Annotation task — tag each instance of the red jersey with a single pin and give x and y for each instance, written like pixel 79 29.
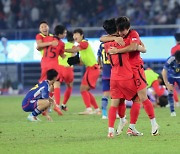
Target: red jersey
pixel 134 57
pixel 175 48
pixel 121 68
pixel 51 53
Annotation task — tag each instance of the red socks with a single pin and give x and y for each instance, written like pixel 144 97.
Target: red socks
pixel 86 98
pixel 57 95
pixel 112 116
pixel 149 108
pixel 121 109
pixel 93 101
pixel 134 112
pixel 67 94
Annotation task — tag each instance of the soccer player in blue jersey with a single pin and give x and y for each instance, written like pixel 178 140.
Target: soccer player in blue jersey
pixel 106 73
pixel 37 99
pixel 171 74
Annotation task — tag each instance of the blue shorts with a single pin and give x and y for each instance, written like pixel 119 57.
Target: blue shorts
pixel 29 105
pixel 106 85
pixel 173 80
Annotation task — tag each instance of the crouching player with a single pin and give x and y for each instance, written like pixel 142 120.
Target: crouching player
pixel 37 99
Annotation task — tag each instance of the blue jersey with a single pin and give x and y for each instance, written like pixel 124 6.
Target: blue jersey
pixel 172 67
pixel 106 70
pixel 39 91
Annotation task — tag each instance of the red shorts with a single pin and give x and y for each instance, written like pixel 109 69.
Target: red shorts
pixel 139 77
pixel 123 89
pixel 44 70
pixel 67 74
pixel 91 76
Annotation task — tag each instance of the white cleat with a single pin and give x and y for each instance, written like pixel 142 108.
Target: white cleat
pixel 173 114
pixel 86 112
pixel 155 130
pixel 32 118
pixel 121 126
pixel 104 117
pixel 133 132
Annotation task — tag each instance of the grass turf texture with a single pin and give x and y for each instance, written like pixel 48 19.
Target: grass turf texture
pixel 81 134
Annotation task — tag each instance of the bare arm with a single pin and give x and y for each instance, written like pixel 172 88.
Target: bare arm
pixel 73 50
pixel 168 85
pixel 41 44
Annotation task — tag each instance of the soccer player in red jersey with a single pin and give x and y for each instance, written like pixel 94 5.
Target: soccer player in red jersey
pixel 118 85
pixel 177 46
pixel 50 61
pixel 67 71
pixel 44 34
pixel 132 37
pixel 92 71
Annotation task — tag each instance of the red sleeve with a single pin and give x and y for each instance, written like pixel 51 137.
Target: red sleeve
pixel 61 47
pixel 83 45
pixel 134 37
pixel 158 90
pixel 39 37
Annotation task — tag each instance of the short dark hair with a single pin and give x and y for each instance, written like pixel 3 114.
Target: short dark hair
pixel 122 23
pixel 110 26
pixel 177 37
pixel 59 29
pixel 177 55
pixel 51 74
pixel 79 30
pixel 43 22
pixel 163 101
pixel 69 36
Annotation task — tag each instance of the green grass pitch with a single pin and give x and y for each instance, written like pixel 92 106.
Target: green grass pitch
pixel 78 134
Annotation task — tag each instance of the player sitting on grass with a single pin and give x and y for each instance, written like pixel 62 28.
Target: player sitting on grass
pixel 37 99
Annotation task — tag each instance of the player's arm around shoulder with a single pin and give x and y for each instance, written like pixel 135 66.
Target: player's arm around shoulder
pixel 109 38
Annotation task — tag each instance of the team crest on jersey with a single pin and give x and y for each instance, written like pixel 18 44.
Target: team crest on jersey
pixel 177 70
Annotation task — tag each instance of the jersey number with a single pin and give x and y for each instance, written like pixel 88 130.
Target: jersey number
pixel 50 52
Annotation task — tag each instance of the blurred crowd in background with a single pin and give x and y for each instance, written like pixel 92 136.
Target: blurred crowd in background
pixel 23 14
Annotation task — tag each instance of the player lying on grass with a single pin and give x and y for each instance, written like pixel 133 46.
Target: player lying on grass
pixel 37 99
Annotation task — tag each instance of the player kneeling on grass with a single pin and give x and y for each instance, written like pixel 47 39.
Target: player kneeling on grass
pixel 37 99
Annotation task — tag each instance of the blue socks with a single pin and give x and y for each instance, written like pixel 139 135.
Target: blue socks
pixel 171 101
pixel 104 103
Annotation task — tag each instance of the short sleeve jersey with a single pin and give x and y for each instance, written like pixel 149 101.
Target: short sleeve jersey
pixel 121 68
pixel 39 91
pixel 44 38
pixel 51 53
pixel 134 57
pixel 172 67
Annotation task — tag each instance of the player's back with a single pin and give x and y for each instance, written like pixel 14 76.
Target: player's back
pixel 39 91
pixel 51 53
pixel 121 68
pixel 135 58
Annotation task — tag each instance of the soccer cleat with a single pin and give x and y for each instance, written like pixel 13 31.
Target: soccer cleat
pixel 173 114
pixel 155 130
pixel 57 109
pixel 121 126
pixel 133 132
pixel 64 107
pixel 86 112
pixel 97 111
pixel 110 135
pixel 104 117
pixel 32 118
